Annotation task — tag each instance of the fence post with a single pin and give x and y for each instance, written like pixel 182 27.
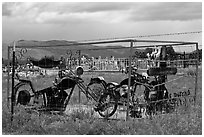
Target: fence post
pixel 196 79
pixel 184 60
pixel 129 79
pixel 13 74
pixel 8 78
pixel 79 58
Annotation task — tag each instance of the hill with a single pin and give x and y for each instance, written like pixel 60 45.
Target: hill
pixel 61 50
pixel 62 47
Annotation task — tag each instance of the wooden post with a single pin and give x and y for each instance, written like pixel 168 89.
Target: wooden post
pixel 196 78
pixel 129 80
pixel 184 59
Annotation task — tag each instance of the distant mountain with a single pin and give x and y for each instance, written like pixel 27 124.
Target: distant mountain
pixel 61 50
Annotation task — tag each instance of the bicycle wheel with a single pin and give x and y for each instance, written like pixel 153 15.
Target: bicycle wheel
pixel 108 104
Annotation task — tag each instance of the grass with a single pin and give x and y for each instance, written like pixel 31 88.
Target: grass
pixel 82 122
pixel 79 123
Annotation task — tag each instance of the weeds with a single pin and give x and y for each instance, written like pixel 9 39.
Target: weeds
pixel 82 122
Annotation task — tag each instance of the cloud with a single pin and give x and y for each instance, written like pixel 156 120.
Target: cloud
pixel 67 7
pixel 6 9
pixel 57 18
pixel 167 11
pixel 111 12
pixel 100 7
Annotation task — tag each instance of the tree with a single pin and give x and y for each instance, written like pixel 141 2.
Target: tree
pixel 171 54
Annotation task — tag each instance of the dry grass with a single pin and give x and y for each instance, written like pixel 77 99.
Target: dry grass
pixel 83 122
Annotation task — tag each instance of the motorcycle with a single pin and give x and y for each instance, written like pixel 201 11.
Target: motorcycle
pixel 153 93
pixel 55 97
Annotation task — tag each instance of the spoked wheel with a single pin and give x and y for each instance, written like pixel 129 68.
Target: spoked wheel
pixel 107 105
pixel 139 96
pixel 96 90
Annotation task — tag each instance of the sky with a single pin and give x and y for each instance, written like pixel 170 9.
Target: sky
pixel 100 20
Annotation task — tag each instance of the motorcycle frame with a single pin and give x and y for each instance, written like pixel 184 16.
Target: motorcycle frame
pixel 81 86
